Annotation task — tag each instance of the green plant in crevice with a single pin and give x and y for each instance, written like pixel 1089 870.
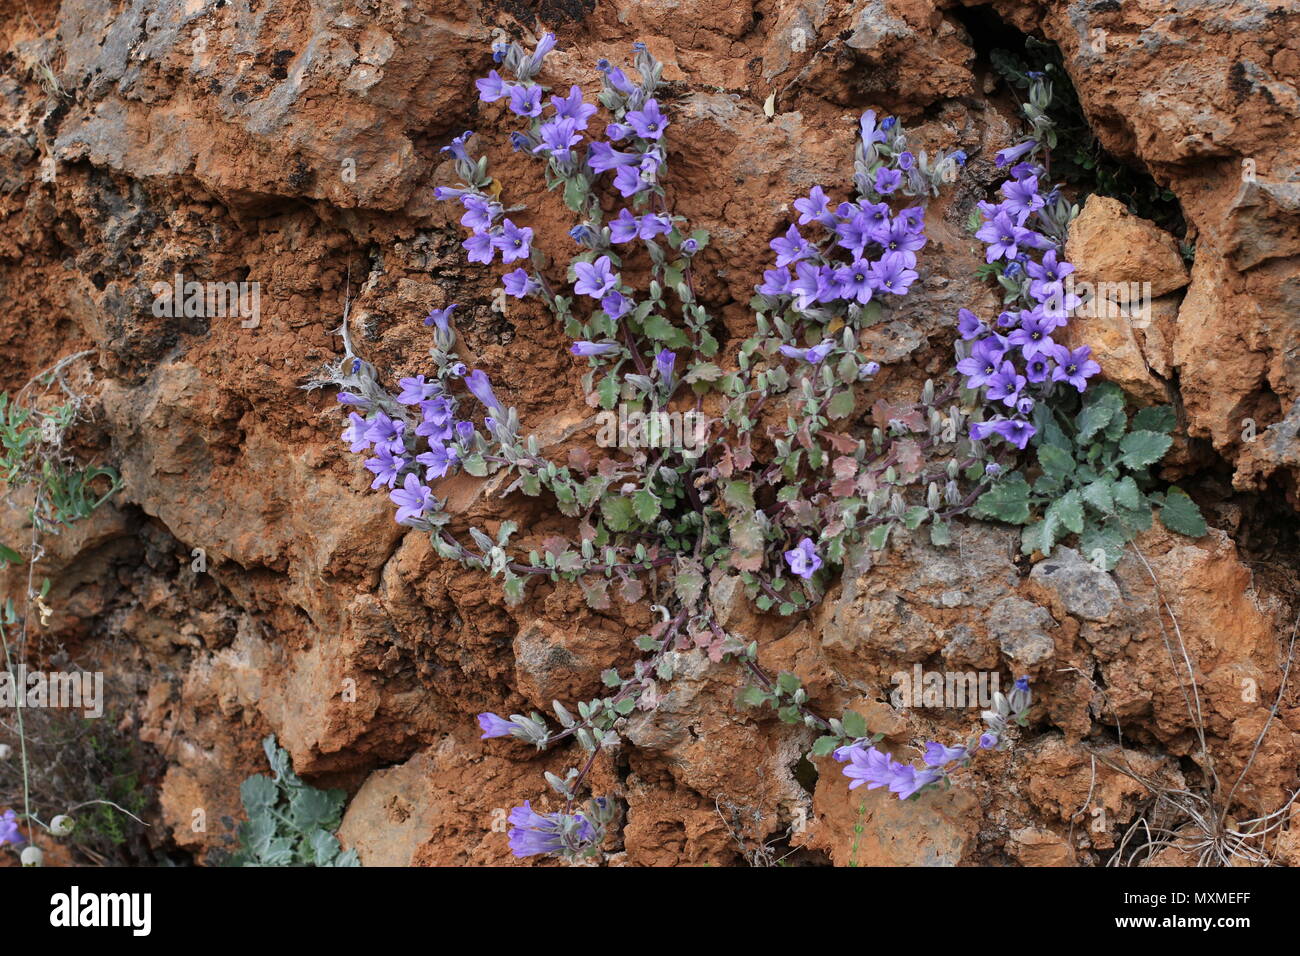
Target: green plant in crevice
pixel 1078 156
pixel 788 475
pixel 33 459
pixel 33 456
pixel 1093 479
pixel 290 823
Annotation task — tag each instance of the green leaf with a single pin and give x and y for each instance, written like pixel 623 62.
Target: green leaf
pixel 1049 432
pixel 309 807
pixel 608 391
pixel 1180 514
pixel 475 465
pixel 855 725
pixel 1007 501
pixel 915 516
pixel 9 556
pixel 617 512
pixel 1157 418
pixel 752 696
pixel 1127 494
pixel 324 847
pixel 1068 510
pixel 258 793
pixel 513 588
pixel 703 372
pixel 841 405
pixel 1104 542
pixel 657 327
pixel 878 537
pixel 1137 519
pixel 1092 420
pixel 739 494
pixel 787 682
pixel 1097 494
pixel 1055 461
pixel 688 586
pixel 1102 405
pixel 825 746
pixel 940 533
pixel 646 505
pixel 278 852
pixel 575 191
pixel 1141 449
pixel 1039 536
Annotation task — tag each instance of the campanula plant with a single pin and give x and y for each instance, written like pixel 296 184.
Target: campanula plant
pixel 795 468
pixel 1036 392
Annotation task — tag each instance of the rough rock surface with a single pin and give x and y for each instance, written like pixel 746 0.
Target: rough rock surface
pixel 297 145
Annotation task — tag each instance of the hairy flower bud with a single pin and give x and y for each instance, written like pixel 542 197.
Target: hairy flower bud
pixel 1020 697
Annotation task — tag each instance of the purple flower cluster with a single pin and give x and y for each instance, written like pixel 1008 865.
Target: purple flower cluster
pixel 416 437
pixel 557 134
pixel 876 768
pixel 880 251
pixel 866 764
pixel 1019 361
pixel 487 236
pixel 641 124
pixel 867 249
pixel 534 833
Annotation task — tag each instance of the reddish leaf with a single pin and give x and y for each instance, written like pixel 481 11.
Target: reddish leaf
pixel 908 454
pixel 884 412
pixel 841 443
pixel 596 591
pixel 631 590
pixel 725 465
pixel 579 460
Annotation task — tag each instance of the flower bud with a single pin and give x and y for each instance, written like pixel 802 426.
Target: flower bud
pixel 32 856
pixel 1021 696
pixel 952 493
pixel 62 825
pixel 996 722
